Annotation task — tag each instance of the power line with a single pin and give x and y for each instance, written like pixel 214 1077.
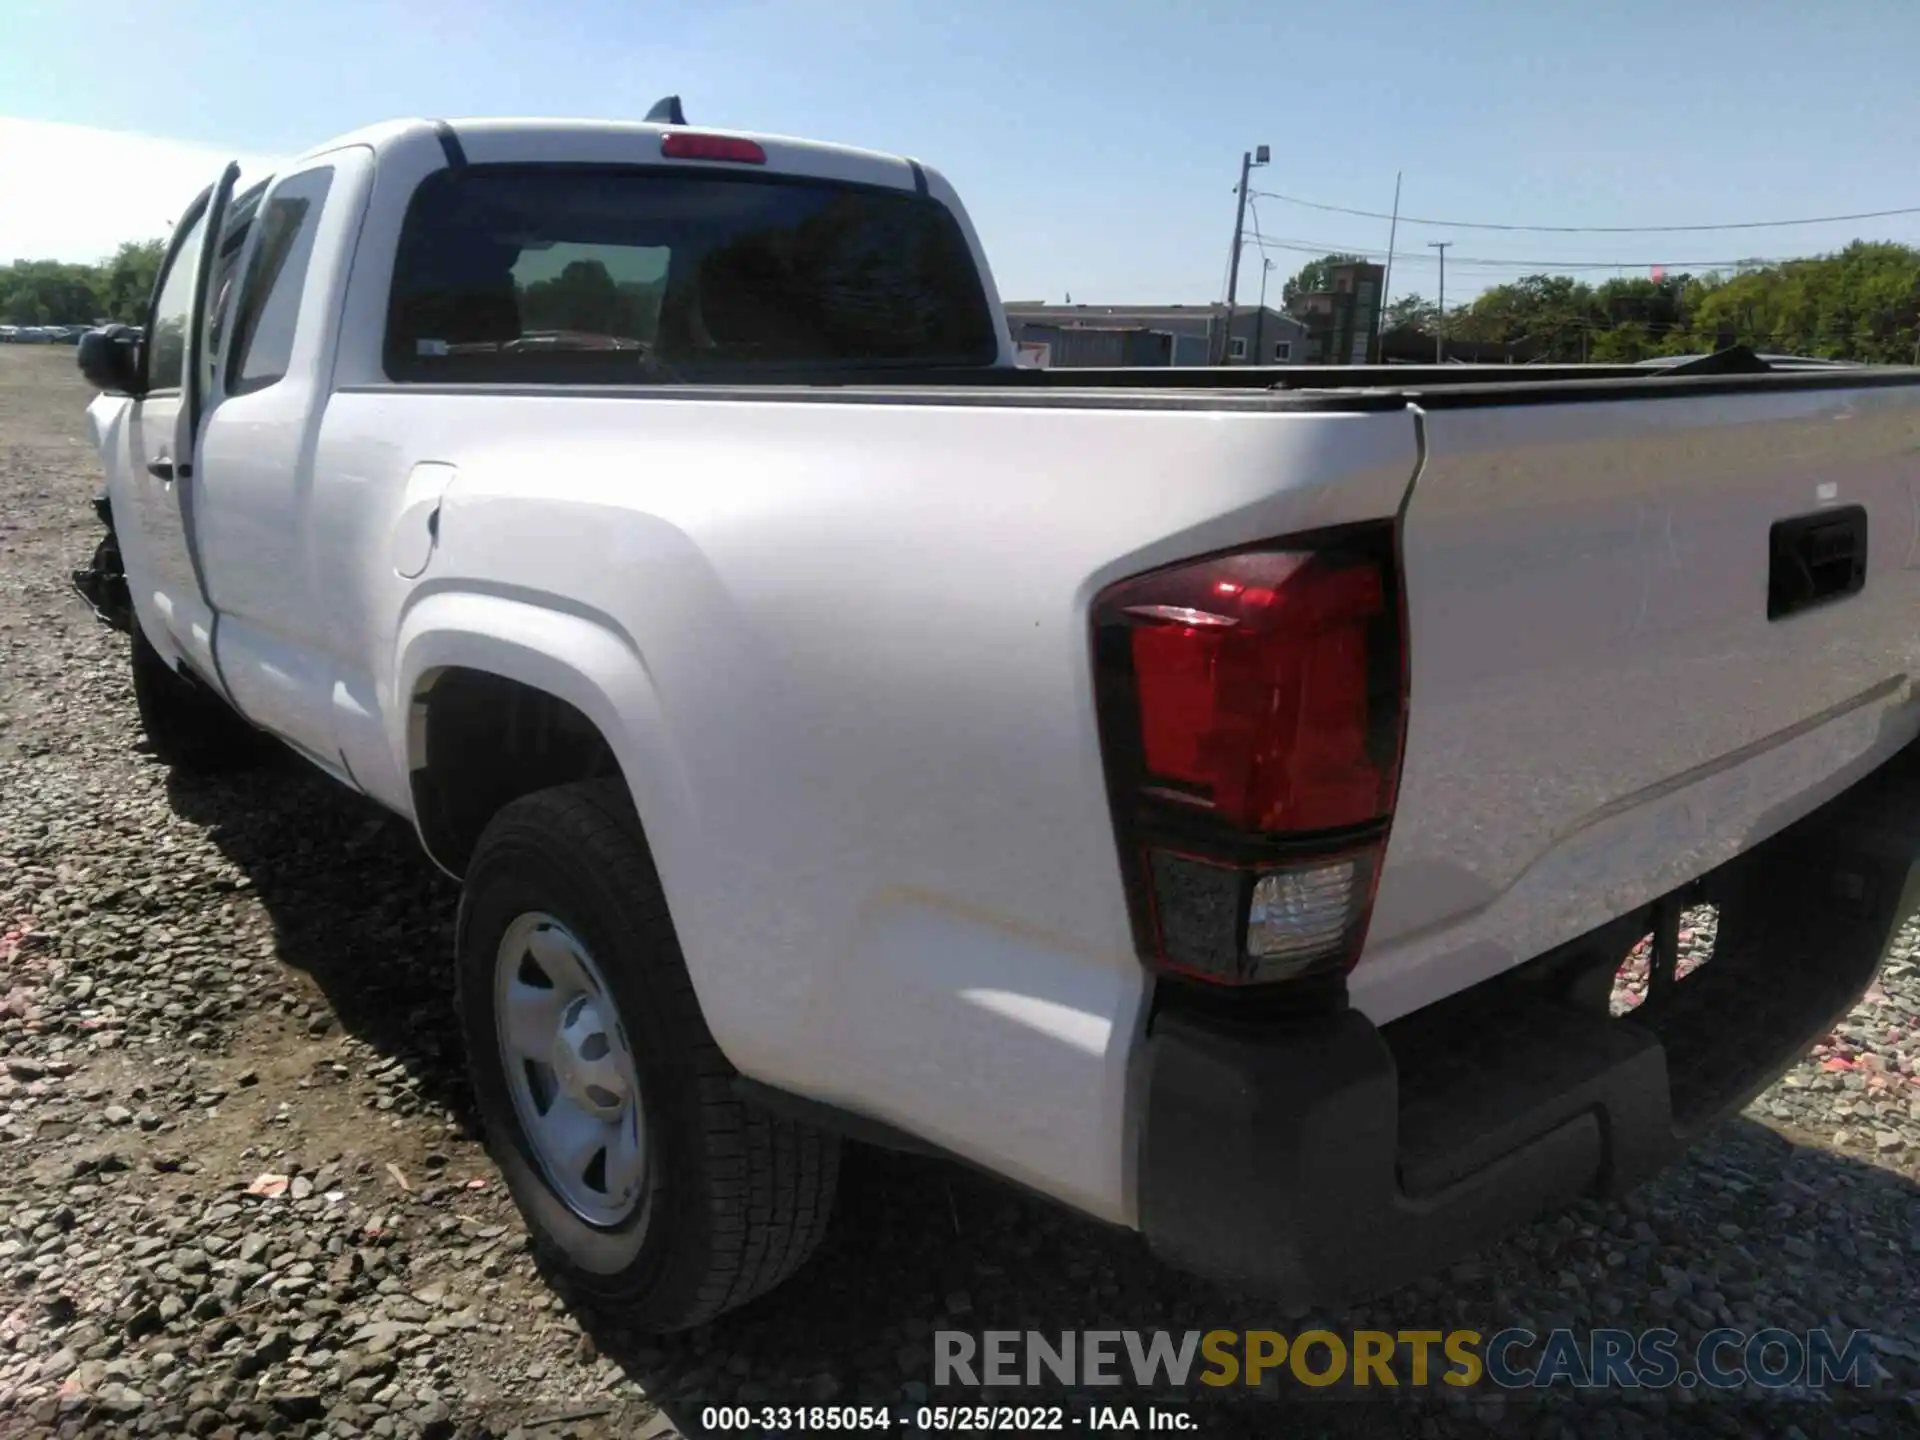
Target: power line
pixel 1319 247
pixel 1313 247
pixel 1590 229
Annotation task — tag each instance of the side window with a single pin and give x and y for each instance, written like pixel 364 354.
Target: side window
pixel 167 328
pixel 276 275
pixel 226 263
pixel 1237 348
pixel 1282 351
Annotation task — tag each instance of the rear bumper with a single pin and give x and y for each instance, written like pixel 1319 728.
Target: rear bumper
pixel 1328 1160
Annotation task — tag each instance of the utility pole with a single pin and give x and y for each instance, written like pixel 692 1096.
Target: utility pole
pixel 1260 319
pixel 1440 320
pixel 1248 159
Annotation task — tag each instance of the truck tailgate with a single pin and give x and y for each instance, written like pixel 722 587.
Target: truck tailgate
pixel 1600 705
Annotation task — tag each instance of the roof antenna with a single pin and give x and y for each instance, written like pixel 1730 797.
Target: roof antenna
pixel 667 112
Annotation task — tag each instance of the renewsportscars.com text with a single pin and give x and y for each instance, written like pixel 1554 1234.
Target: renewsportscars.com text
pixel 1512 1358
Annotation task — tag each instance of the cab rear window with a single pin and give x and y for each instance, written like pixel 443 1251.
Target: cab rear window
pixel 550 273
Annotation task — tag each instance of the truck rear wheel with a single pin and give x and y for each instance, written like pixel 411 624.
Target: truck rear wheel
pixel 188 726
pixel 646 1181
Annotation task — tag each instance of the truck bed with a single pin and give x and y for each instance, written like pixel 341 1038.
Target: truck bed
pixel 1600 705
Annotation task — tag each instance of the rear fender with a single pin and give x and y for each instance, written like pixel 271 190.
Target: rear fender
pixel 576 656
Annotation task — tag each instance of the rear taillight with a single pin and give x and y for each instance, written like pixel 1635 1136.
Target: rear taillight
pixel 1251 710
pixel 688 145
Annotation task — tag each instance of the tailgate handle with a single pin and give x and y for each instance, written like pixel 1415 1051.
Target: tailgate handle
pixel 1816 558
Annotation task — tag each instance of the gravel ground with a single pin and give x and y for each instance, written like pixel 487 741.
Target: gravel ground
pixel 240 1193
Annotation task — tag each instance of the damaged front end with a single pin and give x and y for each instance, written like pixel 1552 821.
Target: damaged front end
pixel 103 582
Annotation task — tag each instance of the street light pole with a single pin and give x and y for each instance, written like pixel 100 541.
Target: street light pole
pixel 1440 320
pixel 1248 159
pixel 1386 277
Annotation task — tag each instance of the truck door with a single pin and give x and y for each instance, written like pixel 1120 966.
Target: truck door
pixel 163 422
pixel 255 476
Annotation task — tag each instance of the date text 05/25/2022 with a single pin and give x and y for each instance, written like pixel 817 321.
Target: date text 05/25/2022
pixel 936 1419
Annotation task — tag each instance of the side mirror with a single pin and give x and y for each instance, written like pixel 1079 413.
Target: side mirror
pixel 110 358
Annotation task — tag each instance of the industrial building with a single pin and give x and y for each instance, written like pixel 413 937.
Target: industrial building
pixel 1109 335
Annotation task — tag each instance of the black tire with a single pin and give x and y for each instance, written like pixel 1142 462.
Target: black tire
pixel 735 1199
pixel 188 726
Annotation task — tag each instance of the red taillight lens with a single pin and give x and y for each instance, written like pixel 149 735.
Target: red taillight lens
pixel 1253 679
pixel 1251 713
pixel 680 145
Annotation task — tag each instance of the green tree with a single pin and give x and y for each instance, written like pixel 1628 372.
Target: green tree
pixel 1860 304
pixel 1551 316
pixel 1410 314
pixel 49 292
pixel 58 292
pixel 126 280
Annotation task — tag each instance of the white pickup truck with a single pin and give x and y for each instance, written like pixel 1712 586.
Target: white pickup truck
pixel 1218 800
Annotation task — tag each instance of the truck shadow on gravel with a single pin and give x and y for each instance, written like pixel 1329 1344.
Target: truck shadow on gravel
pixel 1751 1231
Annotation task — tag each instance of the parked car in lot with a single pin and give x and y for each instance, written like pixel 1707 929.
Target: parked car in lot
pixel 41 334
pixel 1218 800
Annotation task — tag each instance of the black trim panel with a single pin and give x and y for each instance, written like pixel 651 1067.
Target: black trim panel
pixel 1440 387
pixel 1152 389
pixel 901 394
pixel 1575 389
pixel 919 177
pixel 450 145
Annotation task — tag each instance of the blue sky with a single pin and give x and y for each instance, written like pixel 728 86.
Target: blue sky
pixel 1096 144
